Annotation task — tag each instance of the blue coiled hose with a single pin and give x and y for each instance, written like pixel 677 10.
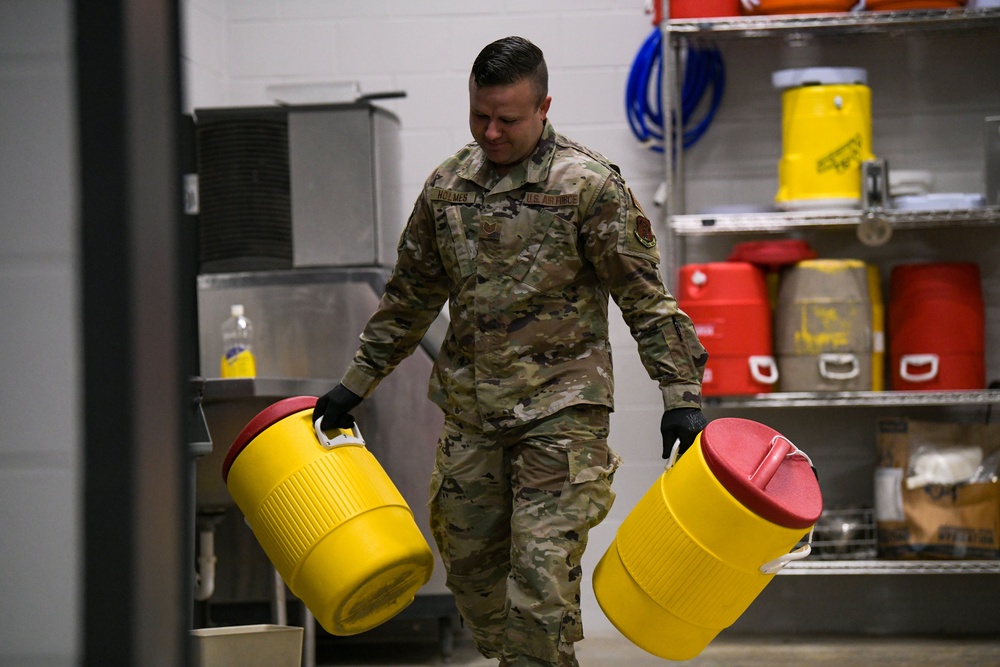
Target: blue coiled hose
pixel 703 70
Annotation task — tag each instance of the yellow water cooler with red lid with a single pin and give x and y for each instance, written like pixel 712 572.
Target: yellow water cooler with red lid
pixel 707 538
pixel 328 517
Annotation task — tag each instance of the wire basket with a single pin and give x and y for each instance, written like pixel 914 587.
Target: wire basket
pixel 845 534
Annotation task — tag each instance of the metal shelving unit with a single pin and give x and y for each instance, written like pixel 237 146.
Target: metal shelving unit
pixel 838 23
pixel 795 28
pixel 678 32
pixel 768 223
pixel 892 567
pixel 873 399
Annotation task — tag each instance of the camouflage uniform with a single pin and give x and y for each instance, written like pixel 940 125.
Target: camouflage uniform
pixel 510 512
pixel 526 263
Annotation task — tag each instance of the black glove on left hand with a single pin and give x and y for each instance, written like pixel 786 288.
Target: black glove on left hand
pixel 683 424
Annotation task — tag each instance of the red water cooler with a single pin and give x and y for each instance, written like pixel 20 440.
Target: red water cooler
pixel 727 301
pixel 937 327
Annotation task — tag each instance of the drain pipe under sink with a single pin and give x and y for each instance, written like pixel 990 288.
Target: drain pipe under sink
pixel 204 576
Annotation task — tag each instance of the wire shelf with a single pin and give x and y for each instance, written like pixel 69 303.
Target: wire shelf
pixel 845 534
pixel 838 23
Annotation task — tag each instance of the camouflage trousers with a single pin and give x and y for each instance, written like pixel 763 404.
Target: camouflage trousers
pixel 510 512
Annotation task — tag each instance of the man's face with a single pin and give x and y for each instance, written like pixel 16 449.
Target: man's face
pixel 506 121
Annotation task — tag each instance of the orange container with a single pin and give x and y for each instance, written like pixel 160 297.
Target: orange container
pixel 800 6
pixel 937 327
pixel 728 303
pixel 696 9
pixel 891 5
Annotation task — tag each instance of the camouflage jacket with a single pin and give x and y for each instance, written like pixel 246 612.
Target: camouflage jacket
pixel 526 263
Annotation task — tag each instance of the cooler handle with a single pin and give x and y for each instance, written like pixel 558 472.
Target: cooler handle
pixel 918 360
pixel 779 563
pixel 775 456
pixel 345 437
pixel 766 470
pixel 771 462
pixel 673 455
pixel 758 364
pixel 830 359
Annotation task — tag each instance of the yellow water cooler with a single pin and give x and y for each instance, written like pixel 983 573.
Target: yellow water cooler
pixel 328 517
pixel 707 538
pixel 826 133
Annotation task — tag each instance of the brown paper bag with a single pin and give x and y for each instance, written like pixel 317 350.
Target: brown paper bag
pixel 923 519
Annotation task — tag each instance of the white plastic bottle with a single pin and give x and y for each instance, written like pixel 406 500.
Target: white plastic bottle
pixel 237 346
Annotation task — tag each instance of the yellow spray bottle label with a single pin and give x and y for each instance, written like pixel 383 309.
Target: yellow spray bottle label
pixel 238 362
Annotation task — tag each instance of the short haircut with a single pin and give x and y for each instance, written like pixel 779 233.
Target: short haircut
pixel 509 60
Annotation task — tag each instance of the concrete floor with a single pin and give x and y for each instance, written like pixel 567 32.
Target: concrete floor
pixel 614 650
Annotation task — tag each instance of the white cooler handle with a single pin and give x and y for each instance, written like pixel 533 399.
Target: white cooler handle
pixel 338 440
pixel 830 359
pixel 672 459
pixel 918 360
pixel 760 363
pixel 772 567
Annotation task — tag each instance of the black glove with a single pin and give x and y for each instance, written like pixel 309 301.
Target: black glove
pixel 682 423
pixel 333 407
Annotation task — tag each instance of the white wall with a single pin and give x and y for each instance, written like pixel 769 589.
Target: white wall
pixel 235 51
pixel 39 365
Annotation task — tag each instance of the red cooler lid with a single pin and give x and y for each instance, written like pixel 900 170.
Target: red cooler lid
pixel 761 469
pixel 772 254
pixel 265 418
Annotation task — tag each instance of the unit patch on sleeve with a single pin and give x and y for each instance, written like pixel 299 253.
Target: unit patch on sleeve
pixel 644 231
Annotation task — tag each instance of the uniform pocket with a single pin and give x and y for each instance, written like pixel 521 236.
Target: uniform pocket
pixel 437 479
pixel 592 461
pixel 684 347
pixel 548 257
pixel 592 468
pixel 571 628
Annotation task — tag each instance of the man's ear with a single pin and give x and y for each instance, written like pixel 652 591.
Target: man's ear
pixel 544 106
